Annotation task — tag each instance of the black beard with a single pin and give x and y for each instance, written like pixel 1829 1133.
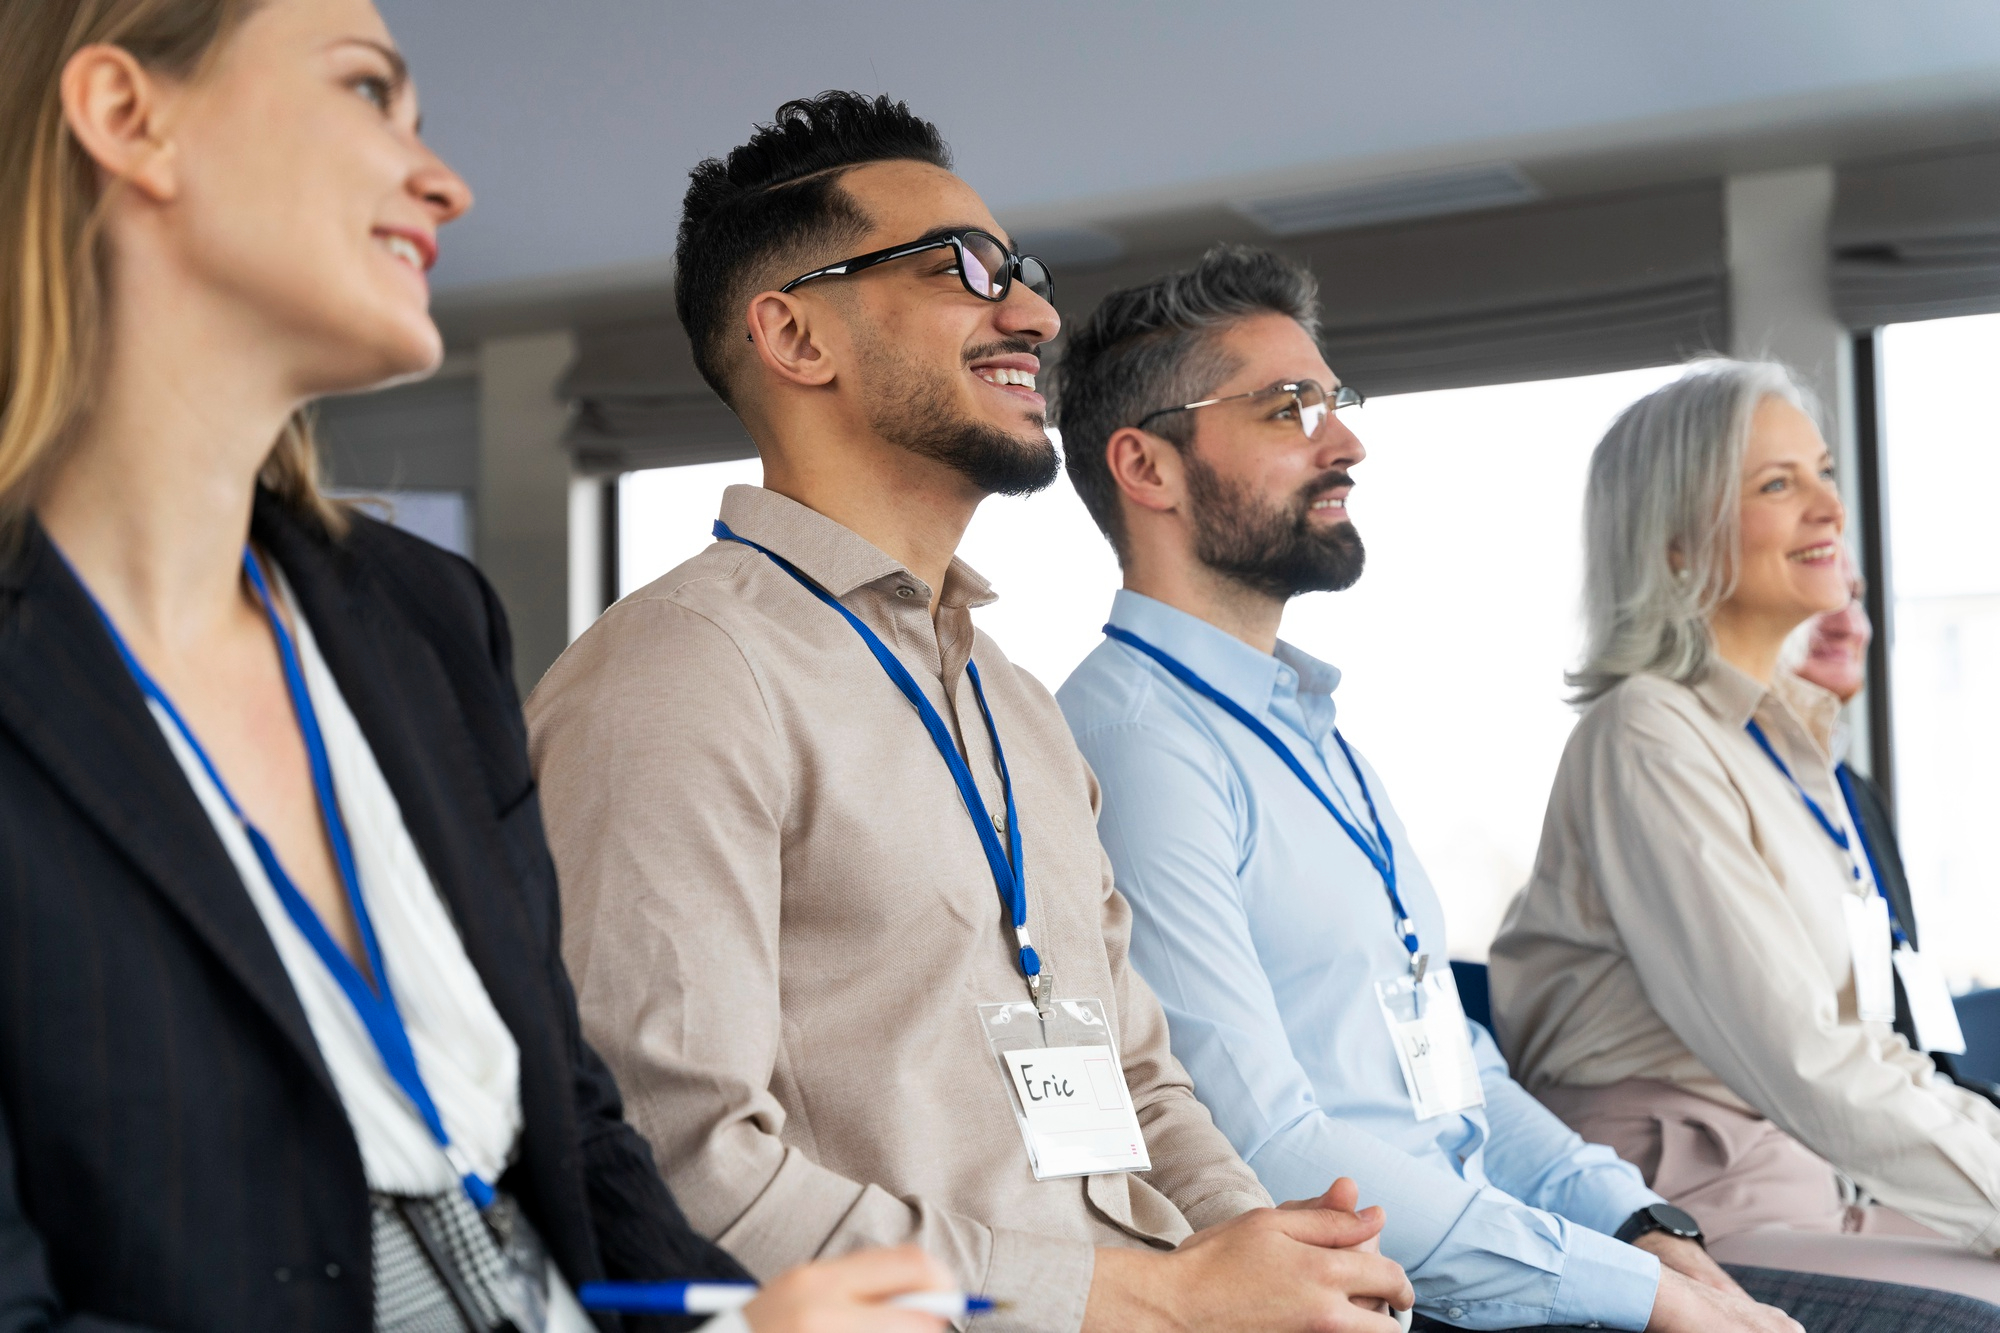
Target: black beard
pixel 907 414
pixel 1274 551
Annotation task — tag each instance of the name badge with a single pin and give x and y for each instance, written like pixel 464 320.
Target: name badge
pixel 1433 1044
pixel 1868 942
pixel 1067 1088
pixel 1931 1009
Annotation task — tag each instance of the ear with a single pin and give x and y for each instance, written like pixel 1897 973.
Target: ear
pixel 782 328
pixel 1149 470
pixel 115 108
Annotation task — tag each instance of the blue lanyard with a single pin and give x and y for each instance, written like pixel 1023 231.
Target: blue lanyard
pixel 1868 850
pixel 1005 863
pixel 375 1003
pixel 1826 824
pixel 1381 852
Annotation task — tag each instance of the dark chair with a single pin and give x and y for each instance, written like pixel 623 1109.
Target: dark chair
pixel 1979 1015
pixel 1478 1002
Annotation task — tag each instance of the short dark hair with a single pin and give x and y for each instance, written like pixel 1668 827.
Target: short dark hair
pixel 778 197
pixel 1154 346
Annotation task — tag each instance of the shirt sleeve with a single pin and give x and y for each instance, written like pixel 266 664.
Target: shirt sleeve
pixel 1541 1161
pixel 664 805
pixel 1476 1256
pixel 1724 957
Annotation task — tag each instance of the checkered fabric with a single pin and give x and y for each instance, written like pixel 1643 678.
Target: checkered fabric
pixel 496 1255
pixel 1845 1305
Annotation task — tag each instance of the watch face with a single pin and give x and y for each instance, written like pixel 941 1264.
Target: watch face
pixel 1675 1222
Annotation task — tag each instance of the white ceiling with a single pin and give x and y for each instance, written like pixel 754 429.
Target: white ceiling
pixel 577 120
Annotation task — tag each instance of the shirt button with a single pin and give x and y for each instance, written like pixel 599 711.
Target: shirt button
pixel 333 1270
pixel 283 1275
pixel 905 591
pixel 1455 1312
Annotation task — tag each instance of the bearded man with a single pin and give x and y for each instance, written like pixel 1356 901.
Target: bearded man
pixel 1280 913
pixel 834 903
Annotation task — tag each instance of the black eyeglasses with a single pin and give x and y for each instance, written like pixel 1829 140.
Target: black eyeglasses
pixel 985 266
pixel 1310 403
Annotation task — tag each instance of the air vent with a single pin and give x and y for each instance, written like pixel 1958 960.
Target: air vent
pixel 1391 199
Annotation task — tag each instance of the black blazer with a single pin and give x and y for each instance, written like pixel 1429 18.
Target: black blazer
pixel 172 1151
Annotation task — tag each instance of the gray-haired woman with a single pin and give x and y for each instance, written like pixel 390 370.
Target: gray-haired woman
pixel 1699 970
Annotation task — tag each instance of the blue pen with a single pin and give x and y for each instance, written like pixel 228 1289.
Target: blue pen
pixel 718 1297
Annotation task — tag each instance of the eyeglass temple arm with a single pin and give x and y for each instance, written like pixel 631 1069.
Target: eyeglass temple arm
pixel 859 262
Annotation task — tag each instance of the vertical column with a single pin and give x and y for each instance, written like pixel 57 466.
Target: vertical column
pixel 523 511
pixel 1781 309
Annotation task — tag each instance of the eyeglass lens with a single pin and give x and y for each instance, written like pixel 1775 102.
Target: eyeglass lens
pixel 986 267
pixel 983 264
pixel 1312 407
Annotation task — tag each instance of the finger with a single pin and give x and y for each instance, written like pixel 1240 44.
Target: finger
pixel 1362 1277
pixel 1343 1196
pixel 1325 1228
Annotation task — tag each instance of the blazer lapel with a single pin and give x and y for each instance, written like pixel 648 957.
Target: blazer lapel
pixel 70 702
pixel 399 693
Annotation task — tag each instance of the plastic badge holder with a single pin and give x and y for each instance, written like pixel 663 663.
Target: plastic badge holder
pixel 1067 1088
pixel 1433 1045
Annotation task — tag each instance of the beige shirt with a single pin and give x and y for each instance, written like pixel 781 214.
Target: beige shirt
pixel 780 922
pixel 1684 923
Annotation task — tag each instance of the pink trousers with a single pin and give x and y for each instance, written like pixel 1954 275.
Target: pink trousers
pixel 1762 1198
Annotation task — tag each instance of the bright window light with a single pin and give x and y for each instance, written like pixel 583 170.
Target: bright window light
pixel 1941 448
pixel 1452 646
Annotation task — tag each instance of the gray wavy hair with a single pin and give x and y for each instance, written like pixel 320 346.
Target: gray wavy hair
pixel 1666 480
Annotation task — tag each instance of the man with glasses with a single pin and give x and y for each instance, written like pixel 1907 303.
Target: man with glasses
pixel 1280 914
pixel 834 903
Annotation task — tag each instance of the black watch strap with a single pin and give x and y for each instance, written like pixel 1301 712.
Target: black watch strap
pixel 1660 1217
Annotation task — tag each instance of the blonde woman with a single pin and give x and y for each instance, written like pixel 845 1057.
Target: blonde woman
pixel 1698 973
pixel 285 1038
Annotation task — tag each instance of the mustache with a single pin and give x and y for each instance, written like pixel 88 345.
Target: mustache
pixel 1004 347
pixel 1329 482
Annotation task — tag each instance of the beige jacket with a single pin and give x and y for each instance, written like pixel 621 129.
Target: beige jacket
pixel 780 922
pixel 1683 923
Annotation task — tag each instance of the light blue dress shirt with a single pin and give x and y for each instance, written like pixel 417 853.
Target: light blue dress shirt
pixel 1263 928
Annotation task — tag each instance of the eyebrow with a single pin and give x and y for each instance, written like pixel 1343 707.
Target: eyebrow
pixel 399 68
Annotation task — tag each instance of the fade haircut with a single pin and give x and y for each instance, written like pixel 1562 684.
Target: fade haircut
pixel 1158 345
pixel 775 204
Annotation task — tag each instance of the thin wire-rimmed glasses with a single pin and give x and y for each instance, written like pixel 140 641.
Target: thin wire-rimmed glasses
pixel 1311 401
pixel 985 266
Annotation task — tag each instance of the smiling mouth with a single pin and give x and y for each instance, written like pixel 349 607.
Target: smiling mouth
pixel 1005 377
pixel 1330 504
pixel 406 249
pixel 1821 554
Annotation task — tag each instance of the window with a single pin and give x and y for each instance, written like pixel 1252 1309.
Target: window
pixel 1941 452
pixel 1452 646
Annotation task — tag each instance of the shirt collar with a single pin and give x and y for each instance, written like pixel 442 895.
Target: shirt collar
pixel 837 558
pixel 1734 696
pixel 1252 679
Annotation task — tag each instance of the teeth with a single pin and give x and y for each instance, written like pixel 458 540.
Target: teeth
pixel 997 375
pixel 1329 504
pixel 406 250
pixel 1812 553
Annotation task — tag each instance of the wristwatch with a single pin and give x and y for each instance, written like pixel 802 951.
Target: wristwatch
pixel 1661 1217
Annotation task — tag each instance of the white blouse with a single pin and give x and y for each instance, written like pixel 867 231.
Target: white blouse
pixel 468 1058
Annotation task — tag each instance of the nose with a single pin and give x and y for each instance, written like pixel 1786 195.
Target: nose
pixel 442 191
pixel 1337 445
pixel 1829 507
pixel 1025 314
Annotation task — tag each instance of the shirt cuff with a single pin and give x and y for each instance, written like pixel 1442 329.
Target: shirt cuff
pixel 1043 1280
pixel 1605 1283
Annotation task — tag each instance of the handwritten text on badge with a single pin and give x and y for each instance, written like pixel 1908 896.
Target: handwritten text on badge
pixel 1079 1116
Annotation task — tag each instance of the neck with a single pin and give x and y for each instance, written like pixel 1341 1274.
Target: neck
pixel 1750 643
pixel 1241 612
pixel 914 509
pixel 151 500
